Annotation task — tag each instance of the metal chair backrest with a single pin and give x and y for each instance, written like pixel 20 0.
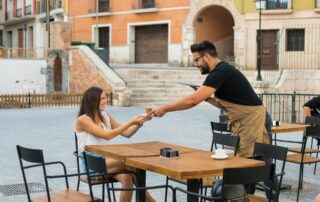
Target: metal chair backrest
pixel 219 128
pixel 271 152
pixel 251 175
pixel 312 120
pixel 227 140
pixel 96 167
pixel 34 156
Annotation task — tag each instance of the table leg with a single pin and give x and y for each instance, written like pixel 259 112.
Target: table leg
pixel 141 182
pixel 193 185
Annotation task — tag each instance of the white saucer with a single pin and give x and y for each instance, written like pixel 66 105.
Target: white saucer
pixel 214 156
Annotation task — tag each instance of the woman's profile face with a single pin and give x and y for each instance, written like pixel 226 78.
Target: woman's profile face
pixel 103 101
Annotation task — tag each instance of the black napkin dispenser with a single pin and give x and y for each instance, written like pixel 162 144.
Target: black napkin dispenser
pixel 169 153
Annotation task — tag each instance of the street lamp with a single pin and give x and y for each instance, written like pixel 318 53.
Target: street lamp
pixel 260 5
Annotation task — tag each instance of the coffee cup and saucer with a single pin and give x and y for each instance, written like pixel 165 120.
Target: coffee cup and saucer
pixel 220 154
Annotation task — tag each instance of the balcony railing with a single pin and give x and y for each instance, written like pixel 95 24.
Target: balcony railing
pixel 144 4
pixel 29 10
pixel 53 4
pixel 277 4
pixel 19 12
pixel 9 15
pixel 104 6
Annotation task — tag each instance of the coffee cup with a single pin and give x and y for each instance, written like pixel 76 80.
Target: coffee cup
pixel 275 123
pixel 148 110
pixel 220 152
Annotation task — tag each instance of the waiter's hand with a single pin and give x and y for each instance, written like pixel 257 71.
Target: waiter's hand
pixel 159 112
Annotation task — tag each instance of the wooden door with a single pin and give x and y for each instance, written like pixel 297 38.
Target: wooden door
pixel 151 44
pixel 269 50
pixel 20 42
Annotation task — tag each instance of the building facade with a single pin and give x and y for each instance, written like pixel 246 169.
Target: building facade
pixel 161 31
pixel 24 28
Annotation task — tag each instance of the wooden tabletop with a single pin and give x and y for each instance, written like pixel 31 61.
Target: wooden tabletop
pixel 192 165
pixel 288 127
pixel 144 149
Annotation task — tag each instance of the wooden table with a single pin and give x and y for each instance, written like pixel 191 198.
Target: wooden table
pixel 189 166
pixel 192 165
pixel 143 149
pixel 287 128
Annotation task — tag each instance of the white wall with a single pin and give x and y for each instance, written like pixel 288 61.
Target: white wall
pixel 22 76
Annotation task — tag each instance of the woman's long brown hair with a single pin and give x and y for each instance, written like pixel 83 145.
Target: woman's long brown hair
pixel 90 104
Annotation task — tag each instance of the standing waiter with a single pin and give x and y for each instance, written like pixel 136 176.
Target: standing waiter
pixel 232 92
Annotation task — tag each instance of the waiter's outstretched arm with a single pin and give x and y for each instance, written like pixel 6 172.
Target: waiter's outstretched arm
pixel 187 102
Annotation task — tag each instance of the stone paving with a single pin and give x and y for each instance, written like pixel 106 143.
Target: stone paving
pixel 51 129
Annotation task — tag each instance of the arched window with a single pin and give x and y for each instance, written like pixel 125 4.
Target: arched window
pixel 57 77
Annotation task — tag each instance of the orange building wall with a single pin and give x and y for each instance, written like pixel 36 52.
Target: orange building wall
pixel 82 27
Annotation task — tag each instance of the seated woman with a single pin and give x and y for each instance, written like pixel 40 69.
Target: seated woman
pixel 96 127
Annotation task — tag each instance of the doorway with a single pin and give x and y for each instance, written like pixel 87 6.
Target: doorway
pixel 269 50
pixel 151 44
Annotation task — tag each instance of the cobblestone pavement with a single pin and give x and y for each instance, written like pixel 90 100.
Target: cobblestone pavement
pixel 51 129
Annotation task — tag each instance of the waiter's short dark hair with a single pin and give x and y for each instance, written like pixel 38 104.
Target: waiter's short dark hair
pixel 204 47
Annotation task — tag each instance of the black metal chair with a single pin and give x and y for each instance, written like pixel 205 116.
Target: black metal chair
pixel 36 159
pixel 223 118
pixel 313 120
pixel 82 176
pixel 98 166
pixel 302 158
pixel 219 128
pixel 217 139
pixel 272 154
pixel 238 176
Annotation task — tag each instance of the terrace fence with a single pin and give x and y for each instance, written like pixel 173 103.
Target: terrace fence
pixel 42 100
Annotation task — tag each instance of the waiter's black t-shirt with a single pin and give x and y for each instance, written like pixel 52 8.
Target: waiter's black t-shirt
pixel 231 85
pixel 314 105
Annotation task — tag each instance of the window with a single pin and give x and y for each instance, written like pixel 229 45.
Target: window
pixel 148 3
pixel 0 4
pixel 277 4
pixel 104 6
pixel 295 40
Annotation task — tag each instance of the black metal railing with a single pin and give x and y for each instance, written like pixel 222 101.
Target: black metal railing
pixel 103 6
pixel 277 4
pixel 19 12
pixel 29 10
pixel 286 107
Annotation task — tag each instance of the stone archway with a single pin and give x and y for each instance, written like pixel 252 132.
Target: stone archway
pixel 189 30
pixel 215 24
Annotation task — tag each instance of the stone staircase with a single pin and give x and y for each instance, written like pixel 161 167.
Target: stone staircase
pixel 158 86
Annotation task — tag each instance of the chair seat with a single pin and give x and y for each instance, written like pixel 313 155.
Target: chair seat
pixel 296 158
pixel 298 150
pixel 256 198
pixel 97 180
pixel 65 195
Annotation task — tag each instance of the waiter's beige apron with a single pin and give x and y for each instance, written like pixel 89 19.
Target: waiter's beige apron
pixel 248 122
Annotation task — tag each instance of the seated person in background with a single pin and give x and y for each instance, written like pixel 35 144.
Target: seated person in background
pixel 96 127
pixel 312 107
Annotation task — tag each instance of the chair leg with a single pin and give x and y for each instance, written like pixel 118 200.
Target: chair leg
pixel 166 190
pixel 78 184
pixel 113 193
pixel 315 165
